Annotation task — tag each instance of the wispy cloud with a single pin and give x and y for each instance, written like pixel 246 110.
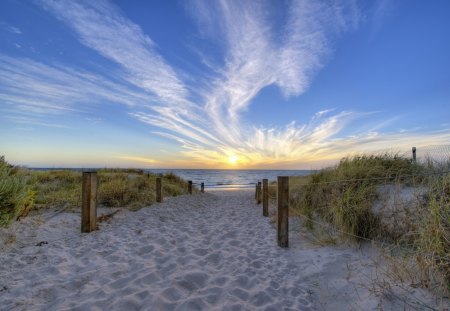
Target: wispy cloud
pixel 382 11
pixel 33 121
pixel 101 26
pixel 34 88
pixel 10 28
pixel 138 159
pixel 256 53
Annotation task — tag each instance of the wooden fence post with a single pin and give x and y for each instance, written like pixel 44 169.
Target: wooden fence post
pixel 265 197
pixel 259 193
pixel 159 193
pixel 190 186
pixel 202 187
pixel 283 211
pixel 89 202
pixel 414 154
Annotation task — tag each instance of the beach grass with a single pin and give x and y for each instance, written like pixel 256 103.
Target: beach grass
pixel 22 190
pixel 346 194
pixel 16 197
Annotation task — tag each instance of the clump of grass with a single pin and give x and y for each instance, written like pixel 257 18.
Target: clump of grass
pixel 344 194
pixel 175 185
pixel 121 189
pixel 129 188
pixel 56 188
pixel 16 198
pixel 433 241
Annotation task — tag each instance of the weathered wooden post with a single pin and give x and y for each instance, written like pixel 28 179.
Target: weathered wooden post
pixel 159 193
pixel 202 187
pixel 89 202
pixel 259 193
pixel 265 197
pixel 414 154
pixel 256 191
pixel 283 211
pixel 190 186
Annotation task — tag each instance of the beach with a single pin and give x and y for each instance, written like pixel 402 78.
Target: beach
pixel 211 251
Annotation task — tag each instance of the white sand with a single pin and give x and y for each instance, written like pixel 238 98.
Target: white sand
pixel 210 251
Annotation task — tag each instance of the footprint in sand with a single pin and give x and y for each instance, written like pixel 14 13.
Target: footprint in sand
pixel 192 281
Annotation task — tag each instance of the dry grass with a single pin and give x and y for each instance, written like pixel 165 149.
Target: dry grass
pixel 345 196
pixel 22 189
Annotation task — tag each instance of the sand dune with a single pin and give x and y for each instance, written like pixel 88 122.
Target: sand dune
pixel 210 251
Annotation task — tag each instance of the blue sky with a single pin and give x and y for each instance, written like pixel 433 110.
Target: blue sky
pixel 220 84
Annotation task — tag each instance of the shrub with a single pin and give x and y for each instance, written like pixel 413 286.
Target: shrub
pixel 16 199
pixel 130 188
pixel 56 188
pixel 344 195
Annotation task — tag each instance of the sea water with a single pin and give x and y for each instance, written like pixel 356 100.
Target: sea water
pixel 229 179
pixel 218 179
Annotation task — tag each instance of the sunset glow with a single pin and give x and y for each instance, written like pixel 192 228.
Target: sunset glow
pixel 220 84
pixel 233 160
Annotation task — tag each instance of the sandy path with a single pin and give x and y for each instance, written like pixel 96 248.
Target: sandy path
pixel 210 251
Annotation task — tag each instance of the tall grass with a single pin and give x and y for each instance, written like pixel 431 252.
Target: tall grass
pixel 345 196
pixel 433 239
pixel 129 188
pixel 16 198
pixel 56 188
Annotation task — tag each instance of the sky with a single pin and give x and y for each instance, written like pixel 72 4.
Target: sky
pixel 220 84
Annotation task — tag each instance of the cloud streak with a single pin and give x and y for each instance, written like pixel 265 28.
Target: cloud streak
pixel 101 26
pixel 205 118
pixel 37 89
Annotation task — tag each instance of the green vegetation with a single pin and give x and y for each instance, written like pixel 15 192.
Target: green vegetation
pixel 345 195
pixel 16 198
pixel 433 239
pixel 23 189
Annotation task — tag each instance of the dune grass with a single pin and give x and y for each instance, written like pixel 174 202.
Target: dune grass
pixel 16 197
pixel 22 189
pixel 433 238
pixel 344 196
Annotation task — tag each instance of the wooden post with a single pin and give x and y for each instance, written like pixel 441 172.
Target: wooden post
pixel 265 197
pixel 259 193
pixel 159 193
pixel 256 191
pixel 283 211
pixel 414 154
pixel 202 187
pixel 190 186
pixel 89 202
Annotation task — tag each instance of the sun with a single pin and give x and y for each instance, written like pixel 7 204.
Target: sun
pixel 233 159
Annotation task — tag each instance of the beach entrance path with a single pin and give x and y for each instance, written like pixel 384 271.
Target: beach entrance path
pixel 211 251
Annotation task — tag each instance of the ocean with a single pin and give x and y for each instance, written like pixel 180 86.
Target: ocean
pixel 229 179
pixel 219 179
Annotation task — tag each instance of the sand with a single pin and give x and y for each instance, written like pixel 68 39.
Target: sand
pixel 211 251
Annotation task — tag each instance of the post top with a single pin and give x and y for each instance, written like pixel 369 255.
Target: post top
pixel 89 170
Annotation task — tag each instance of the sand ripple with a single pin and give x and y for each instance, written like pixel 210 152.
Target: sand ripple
pixel 200 252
